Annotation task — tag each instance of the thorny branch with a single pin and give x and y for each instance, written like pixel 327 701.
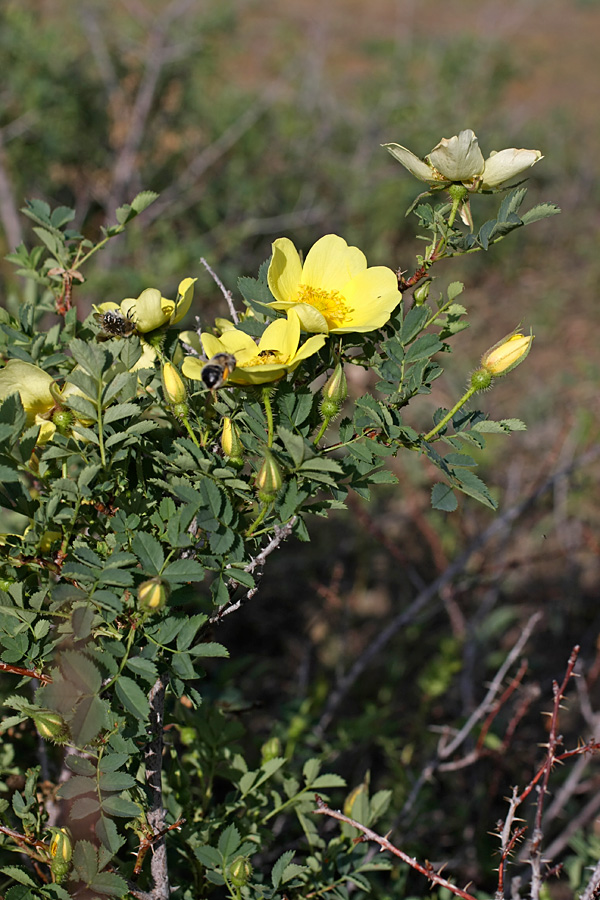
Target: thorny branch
pixel 425 869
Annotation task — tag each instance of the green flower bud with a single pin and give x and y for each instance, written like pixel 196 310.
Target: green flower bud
pixel 50 725
pixel 240 871
pixel 481 379
pixel 188 735
pixel 181 410
pixel 61 851
pixel 269 479
pixel 63 419
pixel 271 749
pixel 336 388
pixel 422 293
pixel 458 191
pixel 230 440
pixel 173 385
pixel 153 594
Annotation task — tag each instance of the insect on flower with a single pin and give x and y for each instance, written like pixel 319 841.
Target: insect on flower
pixel 115 324
pixel 217 370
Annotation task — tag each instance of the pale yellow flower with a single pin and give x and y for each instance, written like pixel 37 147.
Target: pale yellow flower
pixel 333 292
pixel 151 310
pixel 458 160
pixel 277 353
pixel 507 354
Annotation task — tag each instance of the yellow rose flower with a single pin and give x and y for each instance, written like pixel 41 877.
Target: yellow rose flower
pixel 31 383
pixel 151 310
pixel 333 292
pixel 277 352
pixel 506 354
pixel 458 160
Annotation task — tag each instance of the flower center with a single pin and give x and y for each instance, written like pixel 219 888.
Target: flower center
pixel 331 304
pixel 265 358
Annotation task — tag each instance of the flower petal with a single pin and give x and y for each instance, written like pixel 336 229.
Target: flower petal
pixel 307 349
pixel 311 319
pixel 192 339
pixel 185 292
pixel 458 158
pixel 503 166
pixel 415 166
pixel 285 270
pixel 192 367
pixel 236 342
pixel 148 312
pixel 330 263
pixel 281 335
pixel 372 296
pixel 31 383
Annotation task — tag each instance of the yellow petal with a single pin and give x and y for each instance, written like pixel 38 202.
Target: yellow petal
pixel 458 158
pixel 31 383
pixel 421 170
pixel 192 339
pixel 148 313
pixel 192 368
pixel 47 430
pixel 372 296
pixel 285 270
pixel 281 335
pixel 330 263
pixel 309 347
pixel 236 342
pixel 185 292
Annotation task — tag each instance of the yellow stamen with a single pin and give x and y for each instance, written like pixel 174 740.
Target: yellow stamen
pixel 331 304
pixel 266 358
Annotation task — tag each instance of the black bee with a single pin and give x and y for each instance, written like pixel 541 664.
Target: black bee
pixel 115 324
pixel 217 370
pixel 264 354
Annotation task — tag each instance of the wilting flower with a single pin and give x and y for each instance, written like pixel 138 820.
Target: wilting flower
pixel 334 291
pixel 277 352
pixel 151 310
pixel 458 160
pixel 507 354
pixel 33 386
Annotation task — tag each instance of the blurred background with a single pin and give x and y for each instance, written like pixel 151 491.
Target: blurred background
pixel 255 120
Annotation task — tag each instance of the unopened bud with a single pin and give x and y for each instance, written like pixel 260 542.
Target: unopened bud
pixel 61 851
pixel 481 380
pixel 422 293
pixel 63 419
pixel 271 749
pixel 153 594
pixel 50 725
pixel 240 871
pixel 506 354
pixel 173 385
pixel 334 392
pixel 269 479
pixel 230 440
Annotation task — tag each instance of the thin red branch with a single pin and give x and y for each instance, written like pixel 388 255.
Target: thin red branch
pixel 26 673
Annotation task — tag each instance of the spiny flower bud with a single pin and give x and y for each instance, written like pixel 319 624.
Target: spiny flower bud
pixel 50 725
pixel 230 440
pixel 173 385
pixel 61 851
pixel 271 749
pixel 153 594
pixel 63 419
pixel 334 392
pixel 240 871
pixel 506 354
pixel 481 379
pixel 269 479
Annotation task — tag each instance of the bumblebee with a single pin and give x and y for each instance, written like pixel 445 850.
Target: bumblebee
pixel 217 370
pixel 267 354
pixel 115 324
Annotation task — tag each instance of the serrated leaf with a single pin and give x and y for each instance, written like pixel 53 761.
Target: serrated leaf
pixel 208 856
pixel 189 630
pixel 120 806
pixel 76 786
pixel 149 551
pixel 80 672
pixel 106 832
pixel 19 892
pixel 116 781
pixel 89 719
pixel 423 348
pixel 110 884
pixel 132 697
pixel 18 874
pixel 110 762
pixel 229 841
pixel 183 570
pixel 85 860
pixel 80 765
pixel 470 484
pixel 443 497
pixel 210 649
pixel 311 769
pixel 280 867
pixel 144 668
pixel 328 780
pixel 120 411
pixel 541 211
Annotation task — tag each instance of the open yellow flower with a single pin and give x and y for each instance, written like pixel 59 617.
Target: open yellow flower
pixel 458 160
pixel 277 352
pixel 334 291
pixel 151 310
pixel 32 384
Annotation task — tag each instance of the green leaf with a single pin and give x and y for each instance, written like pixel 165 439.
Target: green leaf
pixel 328 780
pixel 311 769
pixel 109 883
pixel 106 831
pixel 132 697
pixel 116 781
pixel 423 348
pixel 474 487
pixel 443 497
pixel 229 841
pixel 76 786
pixel 210 649
pixel 280 867
pixel 110 762
pixel 120 806
pixel 18 874
pixel 120 411
pixel 413 323
pixel 89 719
pixel 183 570
pixel 85 806
pixel 85 861
pixel 149 551
pixel 143 200
pixel 454 290
pixel 144 668
pixel 541 211
pixel 80 765
pixel 19 892
pixel 80 671
pixel 189 631
pixel 91 357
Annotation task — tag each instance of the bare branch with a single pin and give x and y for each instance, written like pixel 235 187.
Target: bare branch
pixel 227 294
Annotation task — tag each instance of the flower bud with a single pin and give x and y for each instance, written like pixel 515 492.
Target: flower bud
pixel 240 871
pixel 271 749
pixel 481 379
pixel 153 594
pixel 63 419
pixel 422 293
pixel 50 725
pixel 61 851
pixel 173 385
pixel 269 479
pixel 507 354
pixel 230 440
pixel 334 392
